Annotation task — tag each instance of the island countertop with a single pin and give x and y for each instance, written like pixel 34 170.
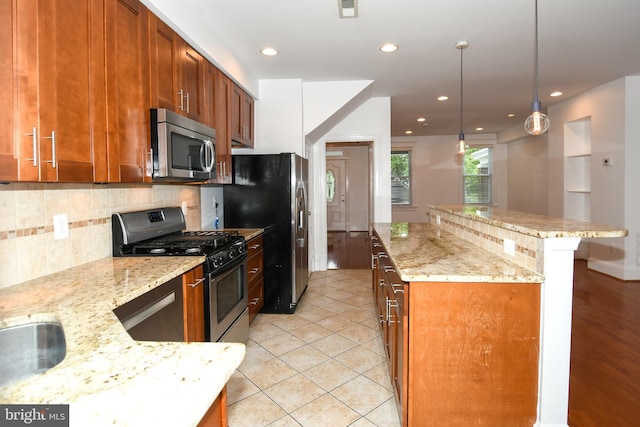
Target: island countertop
pixel 107 378
pixel 535 225
pixel 423 252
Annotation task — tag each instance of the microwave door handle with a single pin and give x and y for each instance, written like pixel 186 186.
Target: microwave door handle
pixel 208 164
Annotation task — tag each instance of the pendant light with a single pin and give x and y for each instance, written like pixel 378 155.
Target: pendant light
pixel 461 45
pixel 537 123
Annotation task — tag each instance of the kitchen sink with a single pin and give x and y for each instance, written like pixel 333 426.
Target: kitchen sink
pixel 30 349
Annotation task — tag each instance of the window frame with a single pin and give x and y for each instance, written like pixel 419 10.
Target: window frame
pixel 488 175
pixel 409 178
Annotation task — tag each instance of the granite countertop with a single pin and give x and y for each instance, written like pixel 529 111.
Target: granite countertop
pixel 422 252
pixel 541 226
pixel 107 378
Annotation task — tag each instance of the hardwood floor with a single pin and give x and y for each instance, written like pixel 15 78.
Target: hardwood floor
pixel 604 387
pixel 348 250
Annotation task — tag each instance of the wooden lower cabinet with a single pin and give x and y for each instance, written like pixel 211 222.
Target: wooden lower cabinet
pixel 255 267
pixel 216 416
pixel 193 300
pixel 460 354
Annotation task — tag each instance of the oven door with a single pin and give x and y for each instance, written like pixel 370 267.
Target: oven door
pixel 227 301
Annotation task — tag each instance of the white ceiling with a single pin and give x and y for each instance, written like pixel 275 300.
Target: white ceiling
pixel 582 44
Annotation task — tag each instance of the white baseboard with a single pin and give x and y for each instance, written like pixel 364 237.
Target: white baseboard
pixel 613 269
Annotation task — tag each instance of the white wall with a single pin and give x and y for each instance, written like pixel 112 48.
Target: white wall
pixel 437 172
pixel 278 118
pixel 527 174
pixel 613 110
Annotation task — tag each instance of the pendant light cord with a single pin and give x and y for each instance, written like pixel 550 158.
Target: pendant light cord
pixel 535 95
pixel 461 93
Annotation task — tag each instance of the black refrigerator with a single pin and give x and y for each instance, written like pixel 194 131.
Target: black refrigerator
pixel 269 191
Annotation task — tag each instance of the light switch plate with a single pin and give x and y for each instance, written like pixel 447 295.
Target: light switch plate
pixel 60 227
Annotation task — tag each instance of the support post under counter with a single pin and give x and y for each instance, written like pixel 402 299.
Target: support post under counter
pixel 545 245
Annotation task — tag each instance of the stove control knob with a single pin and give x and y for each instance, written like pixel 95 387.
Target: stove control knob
pixel 232 253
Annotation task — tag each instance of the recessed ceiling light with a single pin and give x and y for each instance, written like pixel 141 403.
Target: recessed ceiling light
pixel 443 98
pixel 511 115
pixel 269 51
pixel 389 47
pixel 408 132
pixel 421 119
pixel 556 93
pixel 479 128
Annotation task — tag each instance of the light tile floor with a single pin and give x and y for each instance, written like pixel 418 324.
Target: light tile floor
pixel 324 365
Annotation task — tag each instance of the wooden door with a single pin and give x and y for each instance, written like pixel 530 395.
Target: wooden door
pixel 69 39
pixel 336 195
pixel 164 65
pixel 192 79
pixel 8 151
pixel 126 33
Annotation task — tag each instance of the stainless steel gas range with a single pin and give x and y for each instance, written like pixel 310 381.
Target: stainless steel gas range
pixel 160 232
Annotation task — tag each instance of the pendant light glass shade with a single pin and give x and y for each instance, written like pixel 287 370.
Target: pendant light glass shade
pixel 537 123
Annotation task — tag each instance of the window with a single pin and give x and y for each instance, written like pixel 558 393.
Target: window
pixel 477 176
pixel 401 177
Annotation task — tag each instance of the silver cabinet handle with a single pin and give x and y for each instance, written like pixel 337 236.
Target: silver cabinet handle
pixel 255 301
pixel 381 282
pixel 53 149
pixel 388 269
pixel 199 281
pixel 254 247
pixel 148 311
pixel 181 95
pixel 397 288
pixel 187 102
pixel 254 270
pixel 34 139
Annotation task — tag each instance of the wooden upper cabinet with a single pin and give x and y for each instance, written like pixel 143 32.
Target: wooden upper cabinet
pixel 192 71
pixel 127 71
pixel 177 72
pixel 217 92
pixel 58 73
pixel 241 119
pixel 8 150
pixel 164 52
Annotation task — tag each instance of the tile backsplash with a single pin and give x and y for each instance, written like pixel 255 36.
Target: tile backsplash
pixel 28 248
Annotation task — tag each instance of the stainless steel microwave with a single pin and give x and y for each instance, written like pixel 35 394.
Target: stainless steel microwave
pixel 182 149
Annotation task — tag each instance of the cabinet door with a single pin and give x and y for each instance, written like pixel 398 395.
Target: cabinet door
pixel 126 34
pixel 193 291
pixel 70 89
pixel 235 119
pixel 247 120
pixel 223 138
pixel 192 79
pixel 8 151
pixel 165 82
pixel 216 416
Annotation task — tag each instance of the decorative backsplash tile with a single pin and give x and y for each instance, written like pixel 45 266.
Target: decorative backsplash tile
pixel 27 245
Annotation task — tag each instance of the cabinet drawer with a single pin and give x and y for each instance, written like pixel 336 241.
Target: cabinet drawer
pixel 254 246
pixel 256 299
pixel 255 266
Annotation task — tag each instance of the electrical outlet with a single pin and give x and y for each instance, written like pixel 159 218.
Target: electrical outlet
pixel 510 247
pixel 60 227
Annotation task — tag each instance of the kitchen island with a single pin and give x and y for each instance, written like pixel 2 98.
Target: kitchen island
pixel 107 378
pixel 488 245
